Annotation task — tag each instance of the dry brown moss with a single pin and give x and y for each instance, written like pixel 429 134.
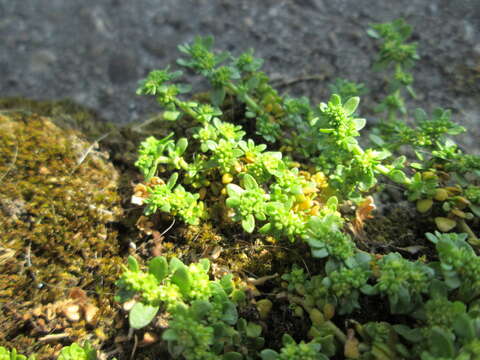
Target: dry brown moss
pixel 56 209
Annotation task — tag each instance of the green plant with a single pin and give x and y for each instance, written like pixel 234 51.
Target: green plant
pixel 344 284
pixel 441 170
pixel 459 264
pixel 71 352
pixel 307 182
pixel 293 351
pixel 397 55
pixel 305 188
pixel 202 313
pixel 174 200
pixel 347 89
pixel 402 281
pixel 248 203
pixel 6 354
pixel 77 352
pixel 284 207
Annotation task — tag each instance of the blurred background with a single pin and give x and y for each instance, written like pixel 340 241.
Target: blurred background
pixel 95 52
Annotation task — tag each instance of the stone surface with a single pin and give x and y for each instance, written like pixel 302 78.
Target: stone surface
pixel 95 52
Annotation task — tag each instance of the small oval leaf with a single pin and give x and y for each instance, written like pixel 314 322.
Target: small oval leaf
pixel 181 277
pixel 141 315
pixel 351 105
pixel 158 266
pixel 133 264
pixel 248 223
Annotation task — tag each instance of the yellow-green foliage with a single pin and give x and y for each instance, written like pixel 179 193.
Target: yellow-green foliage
pixel 56 203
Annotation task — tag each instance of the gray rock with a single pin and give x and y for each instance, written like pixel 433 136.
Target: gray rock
pixel 42 61
pixel 96 51
pixel 122 68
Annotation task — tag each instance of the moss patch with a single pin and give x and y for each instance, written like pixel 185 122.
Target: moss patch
pixel 59 251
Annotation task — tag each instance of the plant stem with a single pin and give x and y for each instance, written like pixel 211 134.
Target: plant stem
pixel 472 238
pixel 246 98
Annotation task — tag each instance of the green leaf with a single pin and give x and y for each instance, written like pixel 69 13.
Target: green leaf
pixel 369 290
pixel 181 277
pixel 211 145
pixel 475 209
pixel 464 327
pixel 253 330
pixel 287 340
pixel 242 325
pixel 175 263
pixel 234 190
pixel 420 115
pixel 133 264
pixel 169 335
pixel 319 253
pixel 269 354
pixel 205 263
pixel 238 296
pixel 249 182
pixel 171 115
pixel 359 123
pixel 76 352
pixel 336 99
pixel 232 356
pixel 158 266
pixel 265 229
pixel 412 335
pixel 372 33
pixel 377 140
pixel 184 88
pixel 233 202
pixel 248 223
pixel 452 281
pixel 141 315
pixel 398 176
pixel 437 287
pixel 201 308
pixel 217 96
pixel 172 180
pixel 12 355
pixel 227 283
pixel 351 105
pixel 181 146
pixel 230 314
pixel 442 343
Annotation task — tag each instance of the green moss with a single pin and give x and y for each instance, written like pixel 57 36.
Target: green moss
pixel 56 212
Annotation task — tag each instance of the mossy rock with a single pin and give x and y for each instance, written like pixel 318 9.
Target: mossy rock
pixel 59 252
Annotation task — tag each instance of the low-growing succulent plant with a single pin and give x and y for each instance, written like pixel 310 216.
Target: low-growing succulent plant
pixel 6 354
pixel 202 312
pixel 71 352
pixel 295 191
pixel 303 184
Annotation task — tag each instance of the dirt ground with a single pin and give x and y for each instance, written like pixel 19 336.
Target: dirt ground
pixel 94 52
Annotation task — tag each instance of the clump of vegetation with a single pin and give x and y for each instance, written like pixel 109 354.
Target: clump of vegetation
pixel 302 179
pixel 297 194
pixel 72 352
